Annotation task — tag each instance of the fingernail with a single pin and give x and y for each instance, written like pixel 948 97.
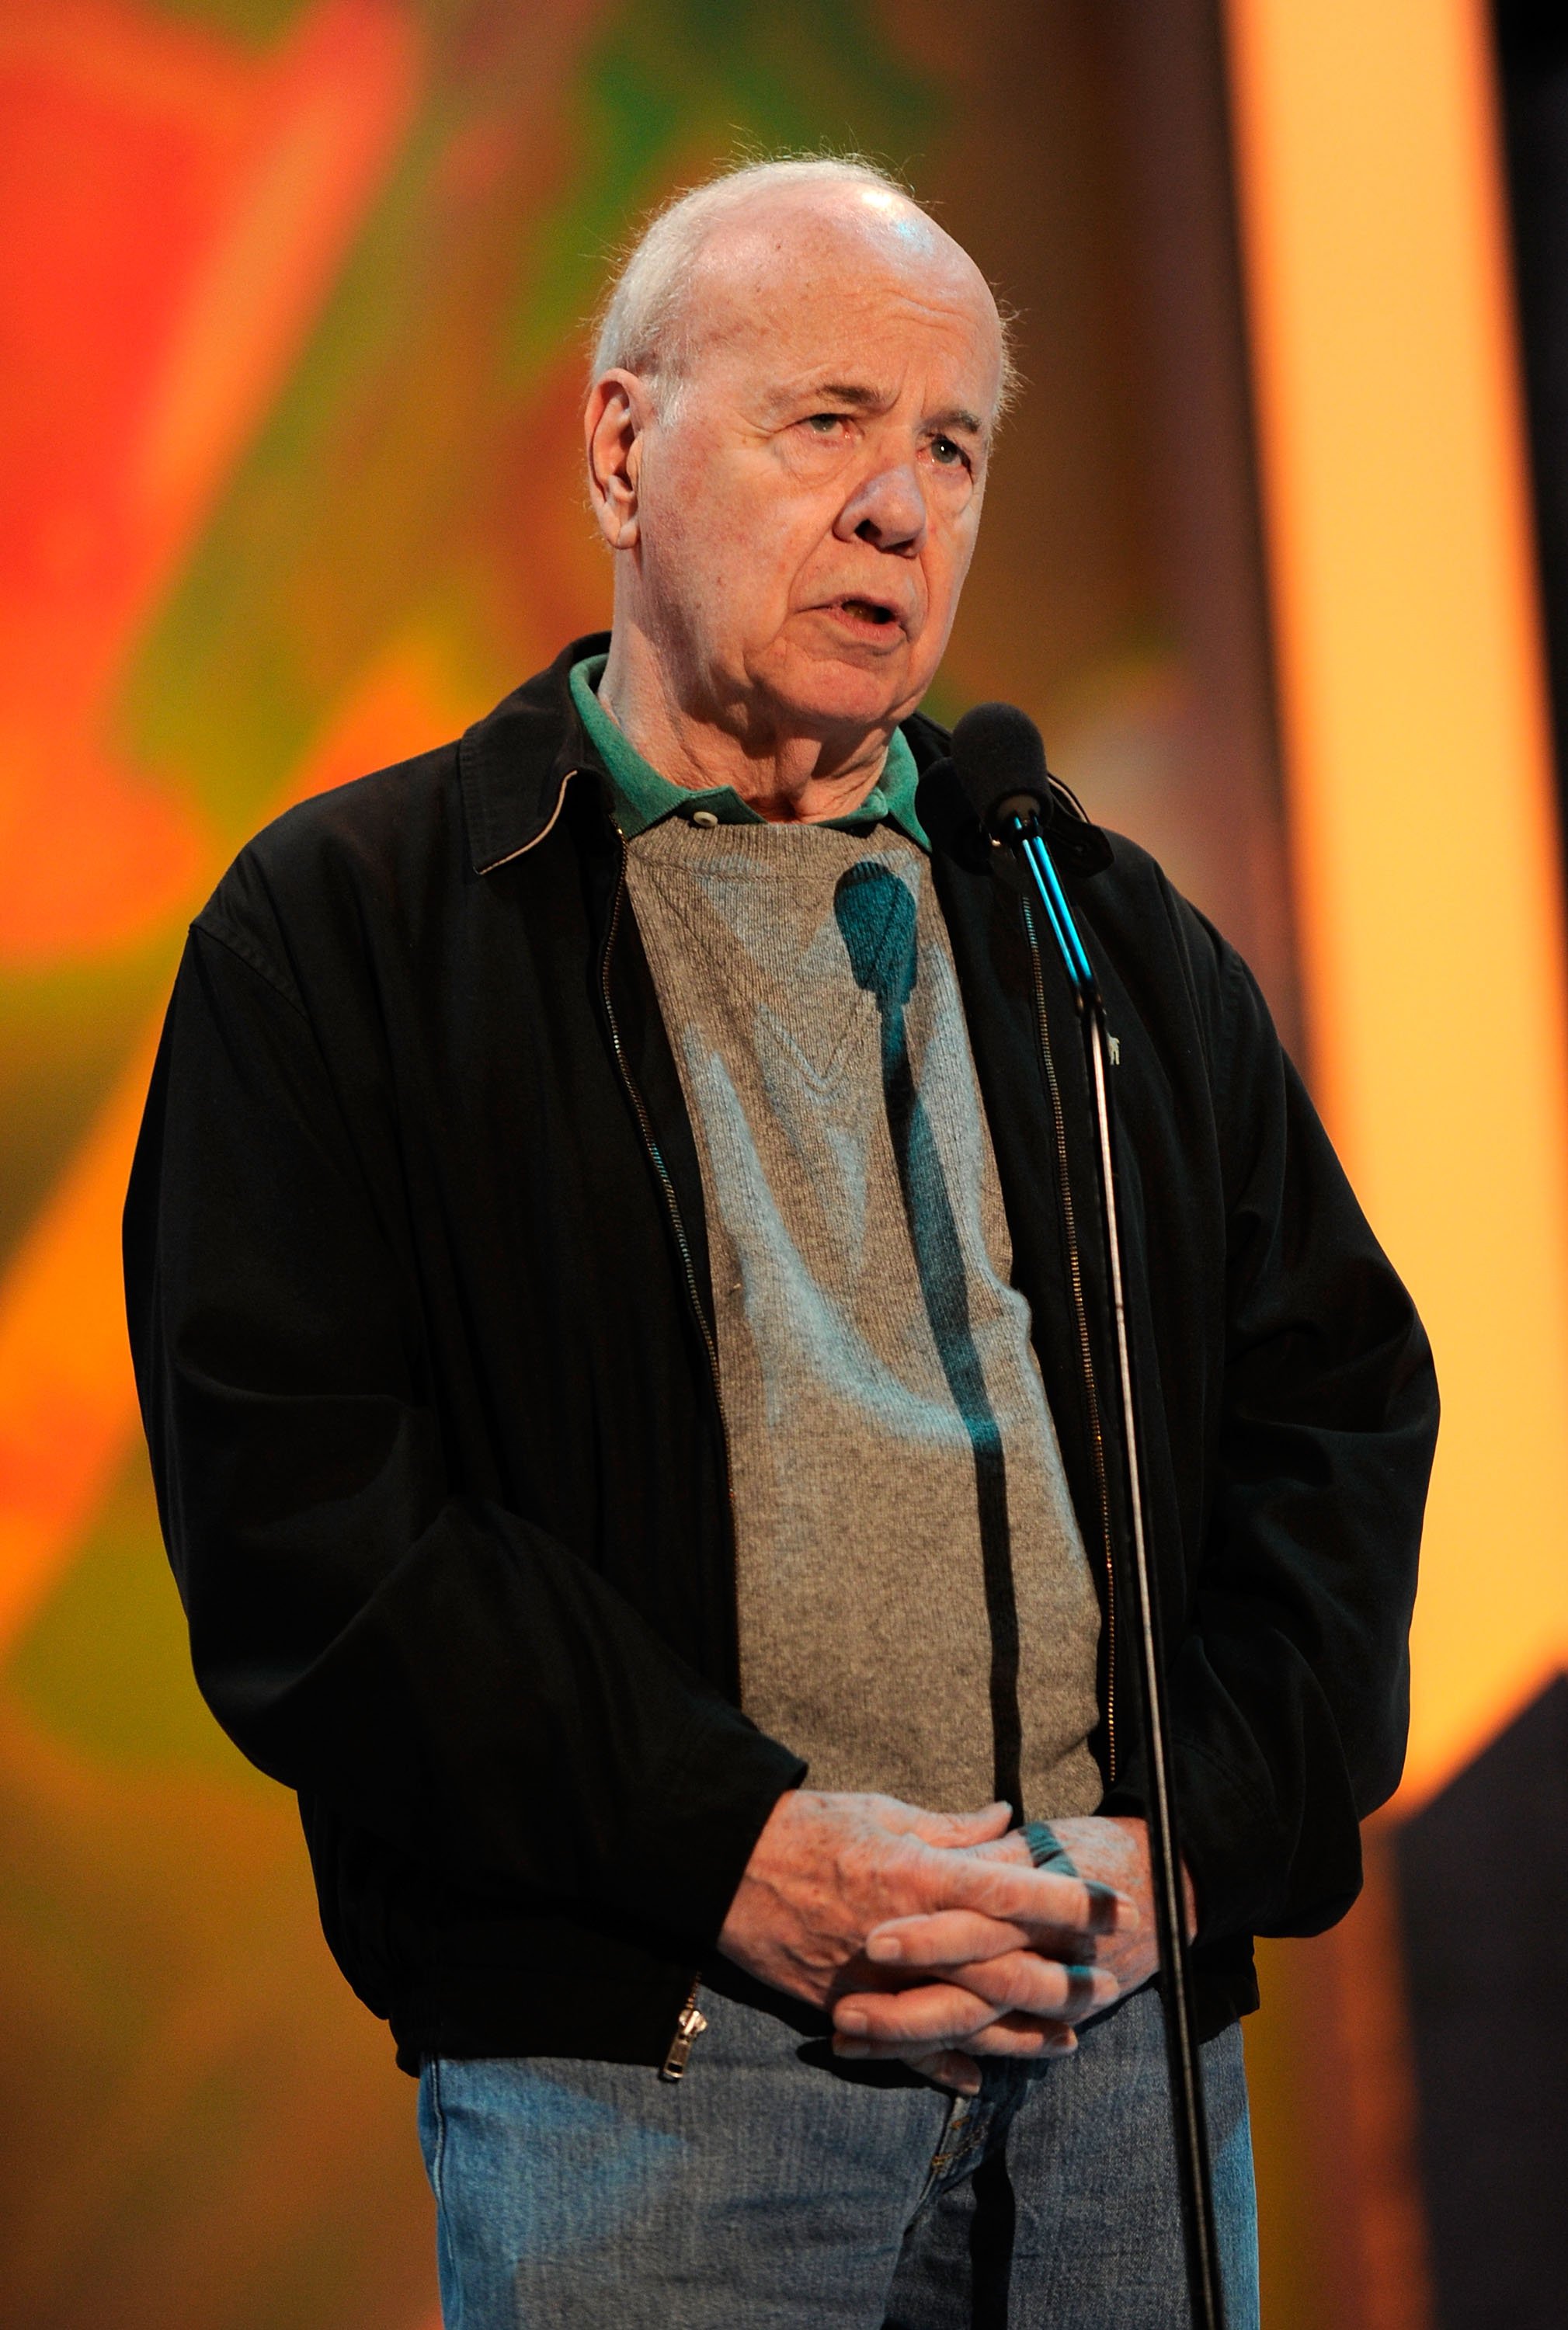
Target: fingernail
pixel 851 2022
pixel 1109 1909
pixel 883 1948
pixel 1090 1986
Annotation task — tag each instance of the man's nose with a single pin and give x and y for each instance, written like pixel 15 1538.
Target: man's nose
pixel 887 510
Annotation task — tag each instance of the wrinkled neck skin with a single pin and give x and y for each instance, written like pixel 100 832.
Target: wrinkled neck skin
pixel 697 733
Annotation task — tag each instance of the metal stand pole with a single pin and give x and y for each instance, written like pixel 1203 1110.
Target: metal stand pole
pixel 1021 830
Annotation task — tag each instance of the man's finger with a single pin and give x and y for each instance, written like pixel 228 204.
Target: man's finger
pixel 943 1937
pixel 941 2015
pixel 949 2068
pixel 948 1938
pixel 938 2013
pixel 1023 2034
pixel 1021 1981
pixel 955 1831
pixel 1027 1897
pixel 1026 1983
pixel 1009 2035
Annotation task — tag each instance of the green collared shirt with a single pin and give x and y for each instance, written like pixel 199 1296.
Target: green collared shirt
pixel 643 797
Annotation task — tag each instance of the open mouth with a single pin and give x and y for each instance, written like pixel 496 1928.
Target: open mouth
pixel 865 611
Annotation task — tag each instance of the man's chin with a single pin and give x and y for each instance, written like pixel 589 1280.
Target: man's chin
pixel 825 694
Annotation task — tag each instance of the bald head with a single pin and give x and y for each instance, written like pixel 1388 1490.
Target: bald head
pixel 750 236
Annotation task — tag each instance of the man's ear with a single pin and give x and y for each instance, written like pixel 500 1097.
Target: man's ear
pixel 612 425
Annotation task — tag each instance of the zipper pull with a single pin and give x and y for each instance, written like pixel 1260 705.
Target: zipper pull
pixel 689 2028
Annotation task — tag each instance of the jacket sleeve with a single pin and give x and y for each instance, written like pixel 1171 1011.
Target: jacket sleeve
pixel 439 1668
pixel 1289 1685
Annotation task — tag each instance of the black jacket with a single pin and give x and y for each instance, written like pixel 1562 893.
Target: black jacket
pixel 419 1306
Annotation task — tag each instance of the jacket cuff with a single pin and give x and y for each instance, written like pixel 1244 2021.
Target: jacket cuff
pixel 1231 1846
pixel 683 1866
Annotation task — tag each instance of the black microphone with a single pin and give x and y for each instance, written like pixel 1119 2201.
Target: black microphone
pixel 995 765
pixel 999 759
pixel 990 805
pixel 993 787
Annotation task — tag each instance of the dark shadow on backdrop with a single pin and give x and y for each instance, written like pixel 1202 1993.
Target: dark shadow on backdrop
pixel 1532 61
pixel 1483 1893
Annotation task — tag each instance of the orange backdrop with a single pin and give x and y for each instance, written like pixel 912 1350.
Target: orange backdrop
pixel 290 305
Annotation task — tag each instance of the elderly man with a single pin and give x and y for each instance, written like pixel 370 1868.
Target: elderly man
pixel 614 1281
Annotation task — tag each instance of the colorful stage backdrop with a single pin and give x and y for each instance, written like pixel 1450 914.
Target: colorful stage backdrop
pixel 291 349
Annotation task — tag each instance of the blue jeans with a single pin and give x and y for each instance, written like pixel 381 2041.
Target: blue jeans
pixel 771 2190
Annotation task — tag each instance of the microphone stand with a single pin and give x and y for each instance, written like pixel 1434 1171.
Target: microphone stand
pixel 1017 825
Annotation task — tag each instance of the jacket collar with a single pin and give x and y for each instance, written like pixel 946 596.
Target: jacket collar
pixel 514 764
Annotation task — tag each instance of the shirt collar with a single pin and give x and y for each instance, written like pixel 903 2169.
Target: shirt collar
pixel 644 798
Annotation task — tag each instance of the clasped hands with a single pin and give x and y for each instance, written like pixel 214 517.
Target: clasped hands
pixel 848 1900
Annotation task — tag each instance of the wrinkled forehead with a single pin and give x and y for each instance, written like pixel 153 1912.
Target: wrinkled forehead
pixel 789 284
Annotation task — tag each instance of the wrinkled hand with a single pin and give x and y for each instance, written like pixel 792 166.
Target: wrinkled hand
pixel 982 1954
pixel 828 1871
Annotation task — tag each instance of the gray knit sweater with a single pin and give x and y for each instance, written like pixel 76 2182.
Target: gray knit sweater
pixel 903 1523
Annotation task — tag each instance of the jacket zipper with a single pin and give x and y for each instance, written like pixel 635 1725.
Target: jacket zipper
pixel 690 2023
pixel 690 2026
pixel 1075 1276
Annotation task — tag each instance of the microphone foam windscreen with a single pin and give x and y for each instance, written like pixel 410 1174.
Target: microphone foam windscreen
pixel 998 753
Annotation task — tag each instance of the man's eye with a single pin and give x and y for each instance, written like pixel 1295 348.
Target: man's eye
pixel 824 423
pixel 947 454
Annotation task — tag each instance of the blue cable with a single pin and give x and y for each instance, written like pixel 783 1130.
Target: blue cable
pixel 1065 930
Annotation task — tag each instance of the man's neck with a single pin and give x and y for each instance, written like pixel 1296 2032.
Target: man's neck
pixel 789 779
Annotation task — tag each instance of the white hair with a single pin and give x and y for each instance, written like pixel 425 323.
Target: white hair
pixel 642 326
